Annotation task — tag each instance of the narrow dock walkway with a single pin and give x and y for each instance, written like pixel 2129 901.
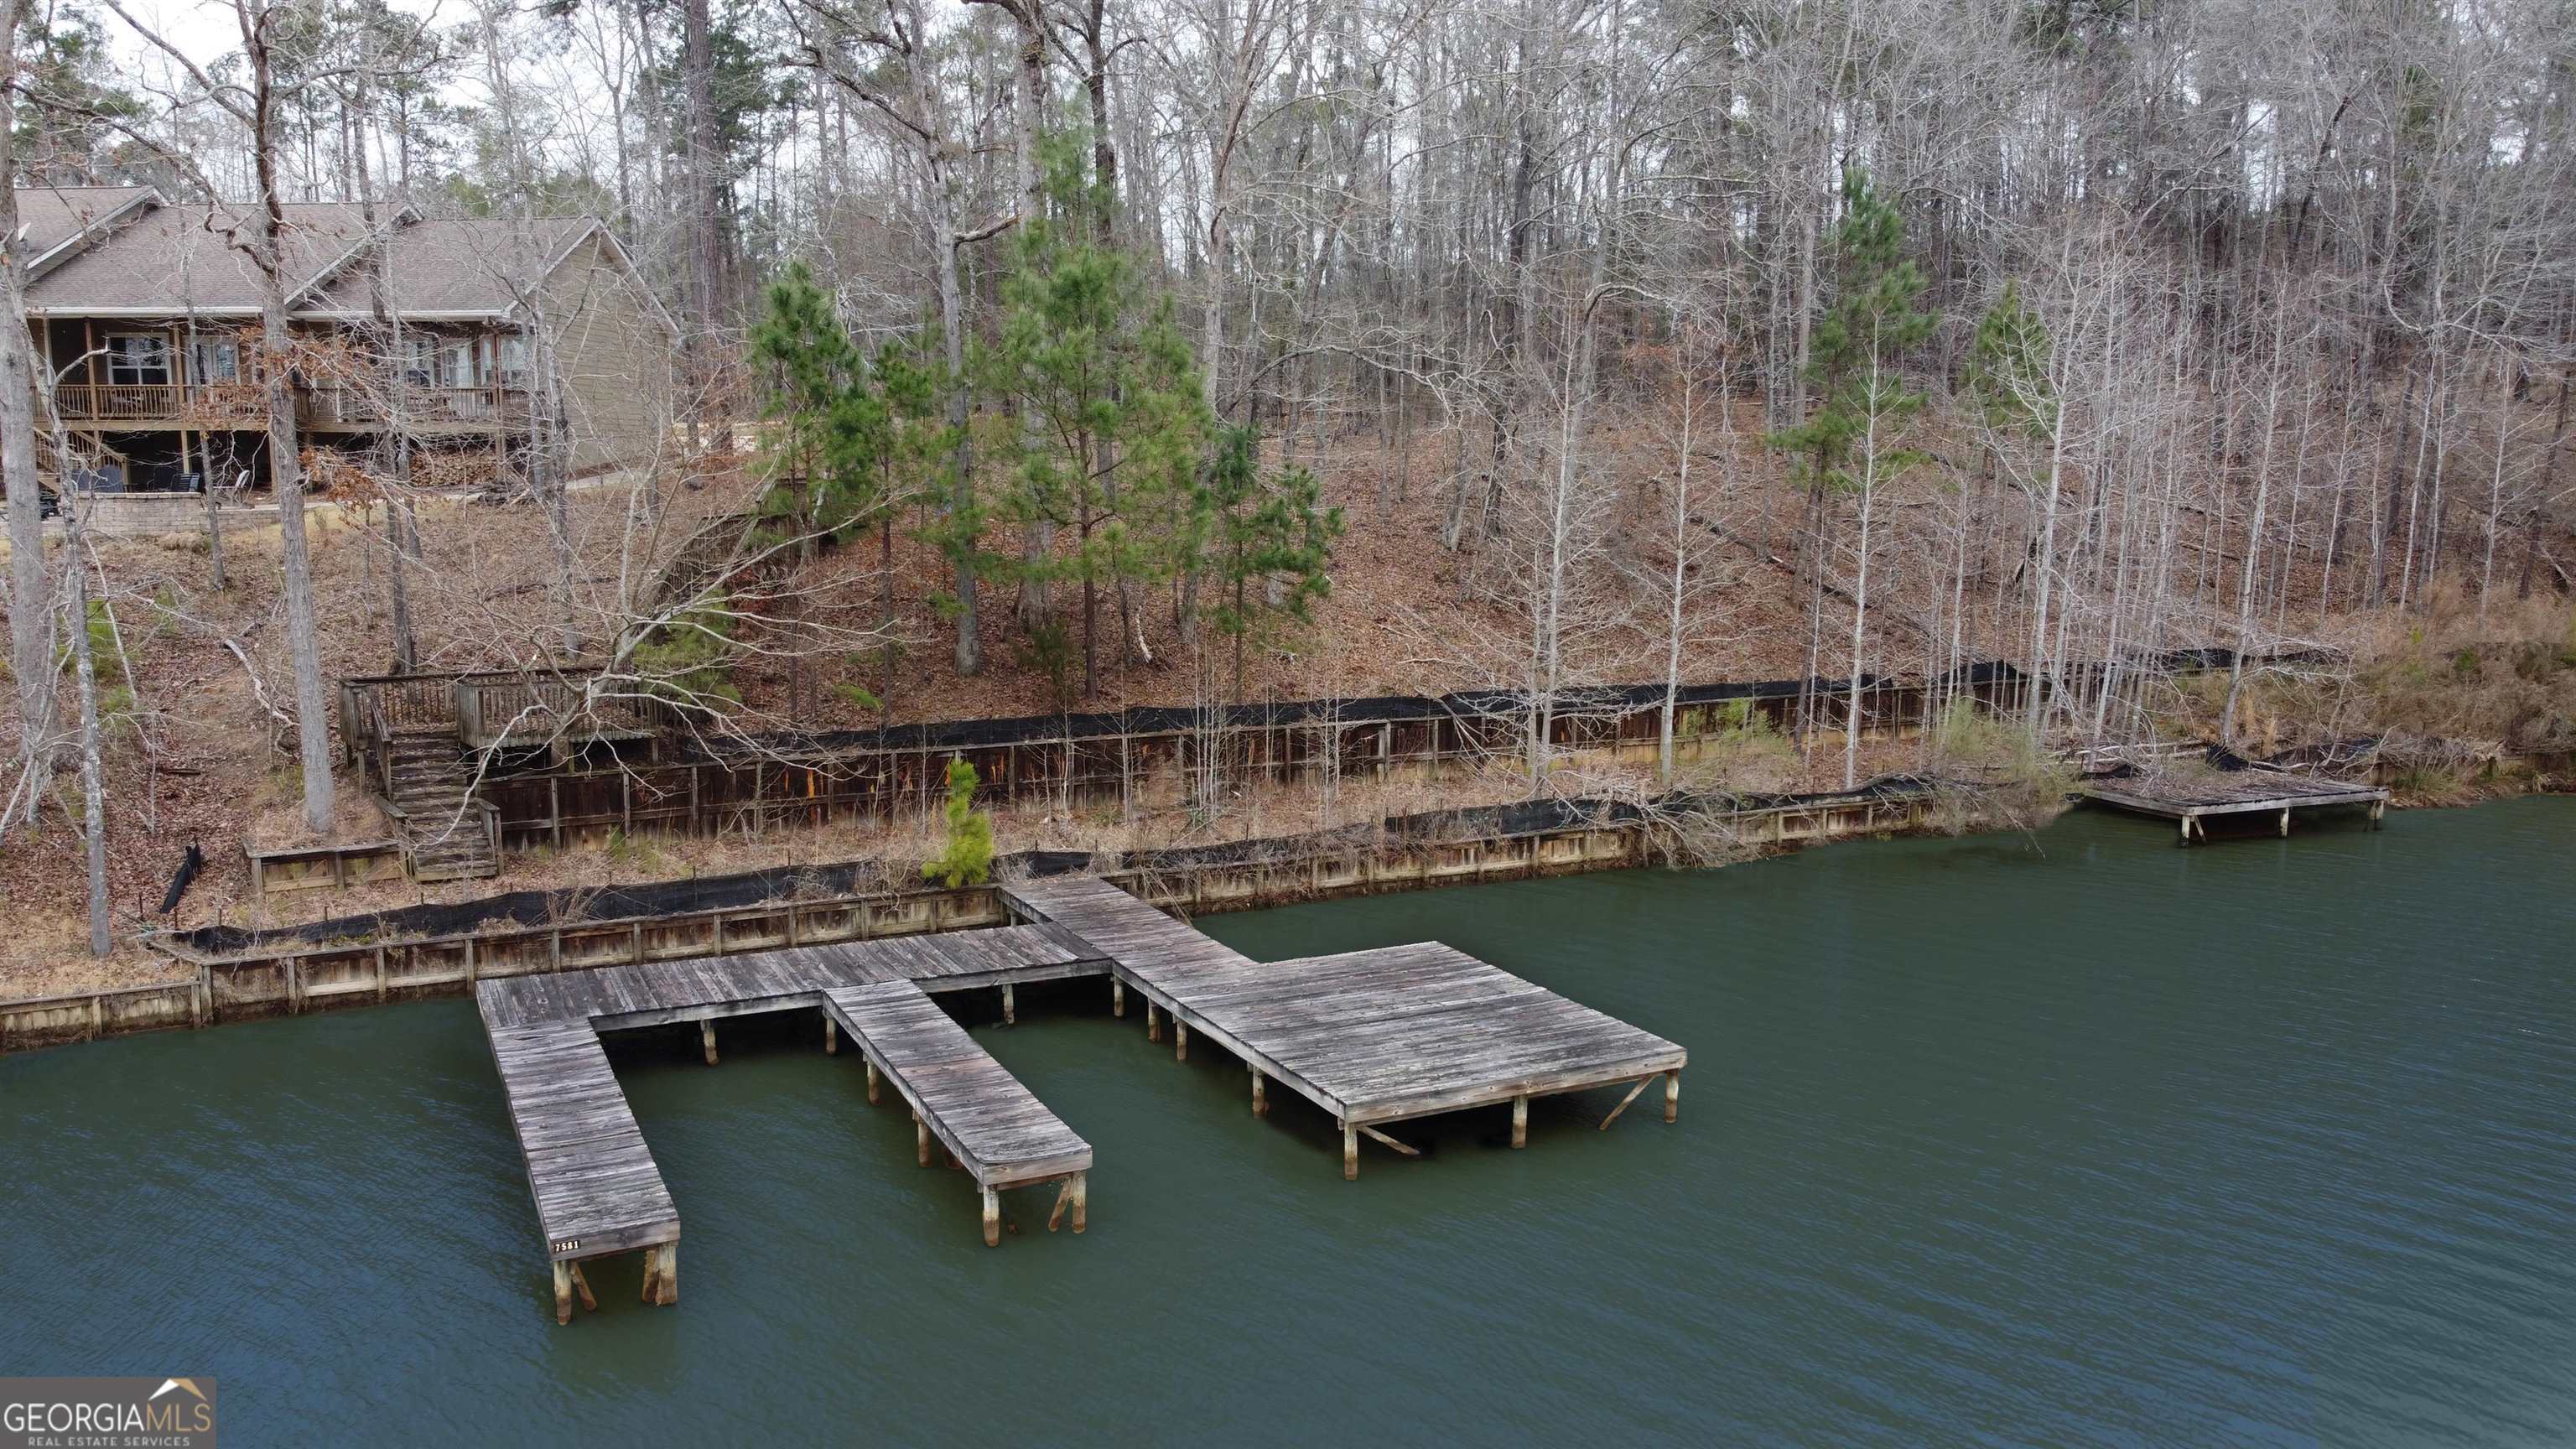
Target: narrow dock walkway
pixel 996 1129
pixel 1371 1037
pixel 594 1182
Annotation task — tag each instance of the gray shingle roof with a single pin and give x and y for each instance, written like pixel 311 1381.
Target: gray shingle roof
pixel 458 265
pixel 53 215
pixel 169 260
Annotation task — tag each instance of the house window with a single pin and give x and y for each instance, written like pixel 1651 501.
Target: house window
pixel 514 362
pixel 456 364
pixel 210 360
pixel 420 360
pixel 138 359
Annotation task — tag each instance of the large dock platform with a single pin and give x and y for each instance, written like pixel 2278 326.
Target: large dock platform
pixel 1370 1037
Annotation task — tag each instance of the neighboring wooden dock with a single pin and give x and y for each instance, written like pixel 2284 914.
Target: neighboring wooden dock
pixel 1372 1037
pixel 2190 796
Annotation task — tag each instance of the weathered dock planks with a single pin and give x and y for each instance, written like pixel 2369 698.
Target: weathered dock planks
pixel 996 1128
pixel 1372 1037
pixel 596 1188
pixel 2190 797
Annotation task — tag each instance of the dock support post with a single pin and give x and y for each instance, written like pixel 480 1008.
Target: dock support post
pixel 1350 1153
pixel 831 1036
pixel 1153 1021
pixel 1180 1040
pixel 2285 822
pixel 921 1139
pixel 563 1293
pixel 2377 808
pixel 707 1038
pixel 652 1274
pixel 1010 1009
pixel 667 1285
pixel 2186 830
pixel 1081 1201
pixel 1673 1095
pixel 581 1287
pixel 1260 1100
pixel 872 1084
pixel 1117 997
pixel 1520 1121
pixel 992 1218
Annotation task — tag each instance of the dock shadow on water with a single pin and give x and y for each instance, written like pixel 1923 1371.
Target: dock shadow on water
pixel 2108 1142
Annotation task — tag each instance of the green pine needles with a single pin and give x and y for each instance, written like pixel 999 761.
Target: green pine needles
pixel 967 858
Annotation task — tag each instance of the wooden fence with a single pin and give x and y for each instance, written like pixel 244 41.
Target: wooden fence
pixel 1148 767
pixel 313 976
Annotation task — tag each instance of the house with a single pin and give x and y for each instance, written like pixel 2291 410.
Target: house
pixel 490 346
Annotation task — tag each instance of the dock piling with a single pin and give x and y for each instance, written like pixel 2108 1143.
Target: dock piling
pixel 1520 1121
pixel 1180 1040
pixel 581 1287
pixel 563 1293
pixel 1260 1102
pixel 1350 1153
pixel 872 1083
pixel 1117 997
pixel 1673 1095
pixel 992 1218
pixel 831 1036
pixel 1153 1021
pixel 707 1038
pixel 921 1139
pixel 1010 1009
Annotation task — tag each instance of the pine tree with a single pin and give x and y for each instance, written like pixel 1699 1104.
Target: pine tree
pixel 1854 442
pixel 857 435
pixel 967 859
pixel 1269 540
pixel 1121 424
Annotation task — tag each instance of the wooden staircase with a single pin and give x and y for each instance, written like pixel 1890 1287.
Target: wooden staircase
pixel 444 831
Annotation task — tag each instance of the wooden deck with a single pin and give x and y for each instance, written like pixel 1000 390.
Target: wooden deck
pixel 2191 796
pixel 995 1128
pixel 596 1188
pixel 1371 1037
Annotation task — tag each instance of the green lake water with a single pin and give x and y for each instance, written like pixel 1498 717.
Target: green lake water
pixel 2073 1139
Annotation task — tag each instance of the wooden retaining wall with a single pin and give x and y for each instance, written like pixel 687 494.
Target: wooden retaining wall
pixel 1146 769
pixel 331 975
pixel 323 867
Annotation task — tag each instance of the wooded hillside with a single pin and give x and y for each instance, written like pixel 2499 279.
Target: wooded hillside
pixel 1039 355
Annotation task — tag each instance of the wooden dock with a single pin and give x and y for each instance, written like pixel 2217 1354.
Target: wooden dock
pixel 596 1188
pixel 1371 1037
pixel 995 1128
pixel 2190 796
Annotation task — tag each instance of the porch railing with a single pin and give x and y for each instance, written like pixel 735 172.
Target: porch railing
pixel 205 402
pixel 421 406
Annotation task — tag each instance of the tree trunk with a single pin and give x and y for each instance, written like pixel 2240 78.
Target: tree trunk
pixel 285 466
pixel 31 645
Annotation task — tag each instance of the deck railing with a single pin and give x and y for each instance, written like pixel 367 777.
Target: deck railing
pixel 211 402
pixel 421 406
